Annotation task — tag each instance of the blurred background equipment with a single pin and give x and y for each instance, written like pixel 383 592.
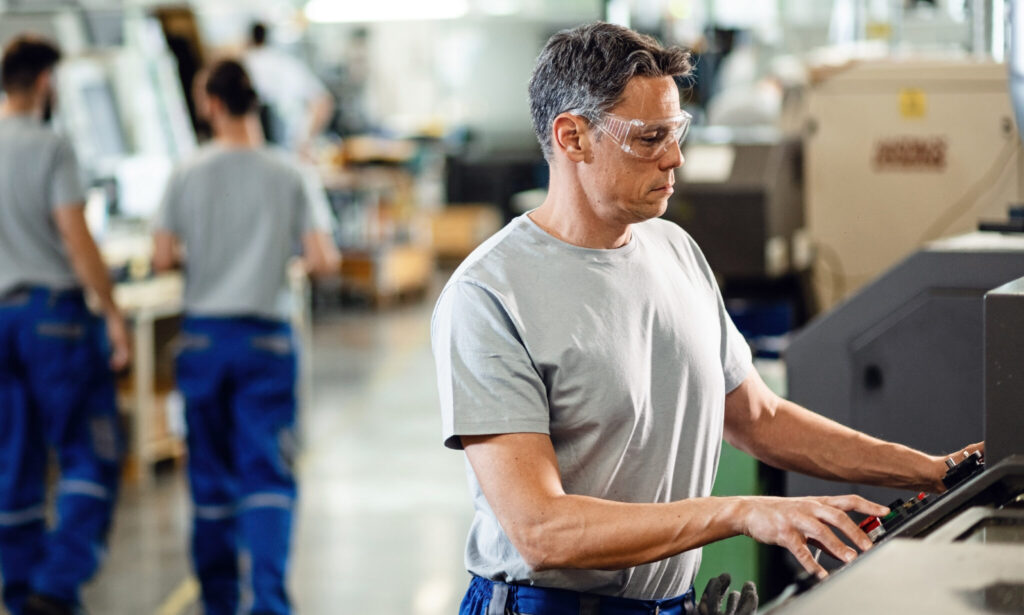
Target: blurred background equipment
pixel 939 151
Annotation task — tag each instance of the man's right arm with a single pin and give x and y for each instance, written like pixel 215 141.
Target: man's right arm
pixel 92 273
pixel 166 252
pixel 519 476
pixel 319 254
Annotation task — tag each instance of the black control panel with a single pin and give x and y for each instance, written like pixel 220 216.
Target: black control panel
pixel 926 540
pixel 902 511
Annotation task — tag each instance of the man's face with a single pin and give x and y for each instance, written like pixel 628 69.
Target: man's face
pixel 623 188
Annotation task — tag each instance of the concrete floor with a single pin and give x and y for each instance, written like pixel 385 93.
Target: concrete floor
pixel 384 508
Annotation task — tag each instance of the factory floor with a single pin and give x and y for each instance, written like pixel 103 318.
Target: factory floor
pixel 383 509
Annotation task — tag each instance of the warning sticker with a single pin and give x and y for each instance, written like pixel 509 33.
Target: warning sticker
pixel 913 103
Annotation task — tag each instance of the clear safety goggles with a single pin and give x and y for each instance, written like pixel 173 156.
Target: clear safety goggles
pixel 645 139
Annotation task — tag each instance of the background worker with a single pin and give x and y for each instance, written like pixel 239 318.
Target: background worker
pixel 56 383
pixel 240 211
pixel 298 105
pixel 588 367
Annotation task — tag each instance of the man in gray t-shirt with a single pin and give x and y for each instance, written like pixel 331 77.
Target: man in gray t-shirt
pixel 56 384
pixel 240 212
pixel 588 368
pixel 239 244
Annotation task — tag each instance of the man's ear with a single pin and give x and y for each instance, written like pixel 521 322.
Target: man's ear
pixel 43 83
pixel 213 108
pixel 570 137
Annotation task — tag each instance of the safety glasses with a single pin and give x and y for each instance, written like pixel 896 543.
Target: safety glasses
pixel 645 139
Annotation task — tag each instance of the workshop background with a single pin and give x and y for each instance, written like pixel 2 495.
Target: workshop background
pixel 833 141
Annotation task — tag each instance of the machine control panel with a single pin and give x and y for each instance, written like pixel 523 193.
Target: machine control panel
pixel 958 552
pixel 902 510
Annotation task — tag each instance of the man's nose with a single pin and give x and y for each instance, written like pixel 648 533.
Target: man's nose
pixel 673 157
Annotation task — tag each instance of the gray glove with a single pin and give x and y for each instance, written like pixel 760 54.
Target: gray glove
pixel 738 603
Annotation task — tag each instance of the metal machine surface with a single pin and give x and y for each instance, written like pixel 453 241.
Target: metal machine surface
pixel 1004 382
pixel 903 359
pixel 919 577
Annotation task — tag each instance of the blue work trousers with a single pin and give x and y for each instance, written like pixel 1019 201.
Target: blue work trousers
pixel 238 378
pixel 486 597
pixel 56 391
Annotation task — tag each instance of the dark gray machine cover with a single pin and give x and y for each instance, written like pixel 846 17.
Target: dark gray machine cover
pixel 903 359
pixel 1004 372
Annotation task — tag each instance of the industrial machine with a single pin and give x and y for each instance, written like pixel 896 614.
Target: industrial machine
pixel 119 100
pixel 903 359
pixel 898 152
pixel 922 355
pixel 962 551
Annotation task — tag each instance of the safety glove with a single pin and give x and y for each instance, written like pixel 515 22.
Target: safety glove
pixel 738 603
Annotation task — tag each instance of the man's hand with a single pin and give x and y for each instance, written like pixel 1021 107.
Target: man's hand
pixel 794 522
pixel 738 603
pixel 120 341
pixel 940 468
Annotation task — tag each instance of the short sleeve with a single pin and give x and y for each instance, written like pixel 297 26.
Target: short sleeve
pixel 167 215
pixel 315 211
pixel 734 350
pixel 487 381
pixel 736 358
pixel 310 86
pixel 65 179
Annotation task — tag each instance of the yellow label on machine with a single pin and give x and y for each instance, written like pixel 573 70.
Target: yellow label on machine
pixel 913 103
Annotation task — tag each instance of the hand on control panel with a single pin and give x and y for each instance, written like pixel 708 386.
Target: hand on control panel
pixel 799 523
pixel 958 467
pixel 738 603
pixel 947 463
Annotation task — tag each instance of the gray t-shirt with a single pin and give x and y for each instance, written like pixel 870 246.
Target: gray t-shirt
pixel 38 174
pixel 241 214
pixel 623 357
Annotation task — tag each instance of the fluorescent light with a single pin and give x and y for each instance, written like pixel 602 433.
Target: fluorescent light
pixel 618 12
pixel 333 11
pixel 499 7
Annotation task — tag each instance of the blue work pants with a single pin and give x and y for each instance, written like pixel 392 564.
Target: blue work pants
pixel 486 597
pixel 56 391
pixel 238 378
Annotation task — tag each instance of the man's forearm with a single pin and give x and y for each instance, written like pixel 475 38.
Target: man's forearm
pixel 518 473
pixel 574 531
pixel 794 438
pixel 92 272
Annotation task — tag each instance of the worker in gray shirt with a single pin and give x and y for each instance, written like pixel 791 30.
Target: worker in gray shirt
pixel 234 215
pixel 589 370
pixel 56 357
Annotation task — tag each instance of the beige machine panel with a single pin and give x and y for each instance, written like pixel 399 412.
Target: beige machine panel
pixel 900 152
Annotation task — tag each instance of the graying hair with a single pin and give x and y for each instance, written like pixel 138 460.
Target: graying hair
pixel 586 70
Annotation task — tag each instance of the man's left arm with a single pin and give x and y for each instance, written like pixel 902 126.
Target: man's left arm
pixel 790 437
pixel 166 251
